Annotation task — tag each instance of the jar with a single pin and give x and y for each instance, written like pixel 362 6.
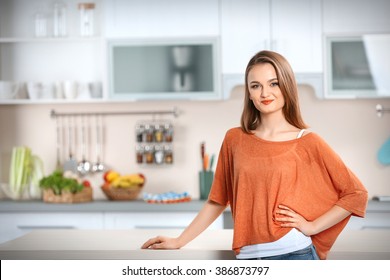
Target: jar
pixel 148 133
pixel 87 11
pixel 40 24
pixel 168 155
pixel 59 19
pixel 158 133
pixel 168 132
pixel 139 132
pixel 158 154
pixel 139 151
pixel 149 154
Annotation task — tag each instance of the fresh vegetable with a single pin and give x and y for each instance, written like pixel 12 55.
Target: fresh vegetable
pixel 20 170
pixel 36 175
pixel 58 183
pixel 86 184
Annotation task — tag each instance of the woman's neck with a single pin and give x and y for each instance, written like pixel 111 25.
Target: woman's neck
pixel 275 127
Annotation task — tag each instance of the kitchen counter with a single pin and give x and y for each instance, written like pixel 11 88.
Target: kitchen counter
pixel 98 206
pixel 128 206
pixel 125 244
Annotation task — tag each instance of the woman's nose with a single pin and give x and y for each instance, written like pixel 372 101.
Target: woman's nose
pixel 265 92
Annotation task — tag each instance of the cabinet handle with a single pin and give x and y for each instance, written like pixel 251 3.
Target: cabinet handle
pixel 44 227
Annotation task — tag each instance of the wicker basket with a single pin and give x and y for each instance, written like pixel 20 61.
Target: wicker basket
pixel 122 193
pixel 67 197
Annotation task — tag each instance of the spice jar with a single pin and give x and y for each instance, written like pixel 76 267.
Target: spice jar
pixel 158 133
pixel 87 11
pixel 168 155
pixel 168 132
pixel 139 132
pixel 149 154
pixel 158 154
pixel 139 150
pixel 148 133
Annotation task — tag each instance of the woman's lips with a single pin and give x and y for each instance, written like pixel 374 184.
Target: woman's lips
pixel 266 102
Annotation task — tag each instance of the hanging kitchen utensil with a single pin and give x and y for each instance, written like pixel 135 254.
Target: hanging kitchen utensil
pixel 58 144
pixel 71 163
pixel 98 166
pixel 384 153
pixel 84 166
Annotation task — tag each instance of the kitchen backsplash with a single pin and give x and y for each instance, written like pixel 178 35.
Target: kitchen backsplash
pixel 351 127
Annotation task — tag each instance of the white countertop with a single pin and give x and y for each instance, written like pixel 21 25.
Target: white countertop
pixel 125 244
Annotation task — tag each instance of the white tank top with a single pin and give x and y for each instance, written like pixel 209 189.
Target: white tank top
pixel 294 240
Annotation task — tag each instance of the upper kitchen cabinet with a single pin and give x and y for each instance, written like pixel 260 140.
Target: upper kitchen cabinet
pixel 156 18
pixel 356 16
pixel 185 68
pixel 356 48
pixel 245 29
pixel 45 57
pixel 292 28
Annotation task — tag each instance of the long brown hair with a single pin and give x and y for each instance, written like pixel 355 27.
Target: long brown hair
pixel 250 118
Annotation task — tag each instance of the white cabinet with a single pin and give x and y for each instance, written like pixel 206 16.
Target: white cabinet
pixel 356 16
pixel 47 60
pixel 372 221
pixel 296 31
pixel 159 19
pixel 245 30
pixel 14 225
pixel 165 220
pixel 292 28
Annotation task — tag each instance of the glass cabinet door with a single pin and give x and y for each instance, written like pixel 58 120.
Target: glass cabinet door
pixel 163 69
pixel 357 66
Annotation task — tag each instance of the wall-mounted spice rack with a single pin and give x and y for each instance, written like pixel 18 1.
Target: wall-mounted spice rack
pixel 154 142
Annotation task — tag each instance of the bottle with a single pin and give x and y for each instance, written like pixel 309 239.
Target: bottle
pixel 40 24
pixel 140 153
pixel 87 11
pixel 59 20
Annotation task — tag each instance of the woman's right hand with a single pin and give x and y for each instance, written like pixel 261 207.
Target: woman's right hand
pixel 161 242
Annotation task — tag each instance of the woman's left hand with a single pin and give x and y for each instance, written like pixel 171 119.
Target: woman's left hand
pixel 290 218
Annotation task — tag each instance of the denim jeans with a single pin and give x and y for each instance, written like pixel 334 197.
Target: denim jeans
pixel 308 253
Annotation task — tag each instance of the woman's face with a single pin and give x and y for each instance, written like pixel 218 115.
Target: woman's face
pixel 264 89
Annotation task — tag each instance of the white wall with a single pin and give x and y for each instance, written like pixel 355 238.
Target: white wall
pixel 351 127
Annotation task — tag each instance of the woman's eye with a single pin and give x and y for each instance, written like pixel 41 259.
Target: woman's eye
pixel 254 86
pixel 274 84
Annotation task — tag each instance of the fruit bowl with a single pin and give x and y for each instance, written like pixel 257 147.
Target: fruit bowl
pixel 114 193
pixel 122 187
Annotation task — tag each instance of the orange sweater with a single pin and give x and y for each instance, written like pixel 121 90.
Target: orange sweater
pixel 254 176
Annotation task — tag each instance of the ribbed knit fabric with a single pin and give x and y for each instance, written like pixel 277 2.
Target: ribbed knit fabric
pixel 254 176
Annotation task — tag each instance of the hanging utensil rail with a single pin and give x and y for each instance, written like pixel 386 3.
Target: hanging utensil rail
pixel 380 110
pixel 174 112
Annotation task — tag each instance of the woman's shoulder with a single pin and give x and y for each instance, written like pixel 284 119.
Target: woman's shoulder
pixel 313 139
pixel 234 134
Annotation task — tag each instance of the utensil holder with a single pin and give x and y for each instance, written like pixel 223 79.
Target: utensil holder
pixel 205 181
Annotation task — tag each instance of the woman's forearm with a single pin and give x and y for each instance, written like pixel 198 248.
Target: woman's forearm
pixel 289 218
pixel 206 216
pixel 335 215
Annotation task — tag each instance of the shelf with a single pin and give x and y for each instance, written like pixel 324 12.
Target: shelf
pixel 48 39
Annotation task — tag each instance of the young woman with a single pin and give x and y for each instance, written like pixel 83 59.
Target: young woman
pixel 290 194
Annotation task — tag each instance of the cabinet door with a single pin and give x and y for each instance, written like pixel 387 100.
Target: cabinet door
pixel 156 18
pixel 165 220
pixel 297 33
pixel 244 31
pixel 373 221
pixel 14 225
pixel 356 16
